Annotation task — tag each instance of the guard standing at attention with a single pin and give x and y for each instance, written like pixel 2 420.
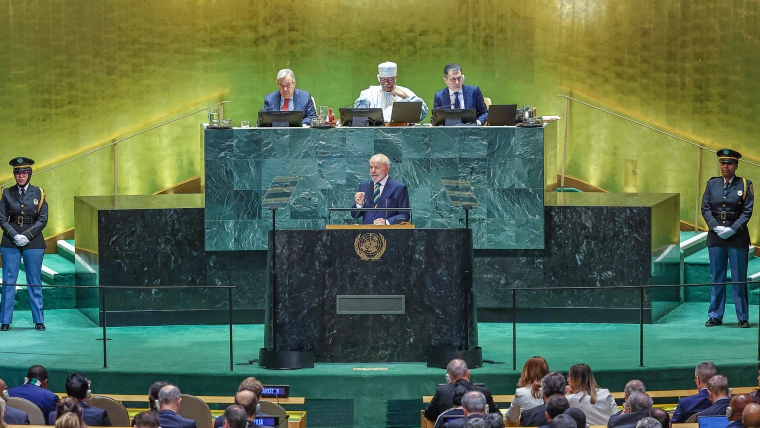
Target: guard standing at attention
pixel 727 207
pixel 23 215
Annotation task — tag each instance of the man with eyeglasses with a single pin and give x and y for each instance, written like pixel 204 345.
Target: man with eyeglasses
pixel 288 98
pixel 692 404
pixel 388 92
pixel 457 95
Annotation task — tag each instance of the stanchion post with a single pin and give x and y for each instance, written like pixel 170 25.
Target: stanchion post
pixel 514 331
pixel 105 315
pixel 641 326
pixel 229 298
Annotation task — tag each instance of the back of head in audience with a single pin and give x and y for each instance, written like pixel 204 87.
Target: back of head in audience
pixel 637 402
pixel 69 405
pixel 252 384
pixel 563 421
pixel 494 420
pixel 153 395
pixel 69 420
pixel 476 423
pixel 661 415
pixel 555 406
pixel 751 416
pixel 146 420
pixel 634 386
pixel 457 369
pixel 2 414
pixel 581 378
pixel 648 422
pixel 578 415
pixel 533 371
pixel 717 387
pixel 703 372
pixel 38 372
pixel 248 401
pixel 737 404
pixel 169 398
pixel 77 386
pixel 459 392
pixel 553 383
pixel 235 417
pixel 474 402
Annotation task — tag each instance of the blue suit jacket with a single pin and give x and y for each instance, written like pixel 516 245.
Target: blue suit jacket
pixel 301 101
pixel 461 422
pixel 15 416
pixel 44 399
pixel 473 98
pixel 690 405
pixel 92 416
pixel 717 409
pixel 395 195
pixel 169 419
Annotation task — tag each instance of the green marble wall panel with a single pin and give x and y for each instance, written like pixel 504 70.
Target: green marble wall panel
pixel 504 166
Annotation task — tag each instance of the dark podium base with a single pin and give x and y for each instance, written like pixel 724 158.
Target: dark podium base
pixel 286 359
pixel 440 358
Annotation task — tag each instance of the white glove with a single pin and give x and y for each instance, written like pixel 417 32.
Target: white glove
pixel 20 240
pixel 726 233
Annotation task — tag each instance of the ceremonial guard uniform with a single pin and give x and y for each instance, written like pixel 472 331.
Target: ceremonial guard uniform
pixel 23 215
pixel 727 207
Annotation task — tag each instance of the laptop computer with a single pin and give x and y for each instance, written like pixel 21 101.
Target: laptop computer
pixel 406 112
pixel 502 115
pixel 364 117
pixel 280 118
pixel 451 117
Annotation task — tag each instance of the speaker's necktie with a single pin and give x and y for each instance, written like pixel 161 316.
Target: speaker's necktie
pixel 376 194
pixel 457 104
pixel 286 104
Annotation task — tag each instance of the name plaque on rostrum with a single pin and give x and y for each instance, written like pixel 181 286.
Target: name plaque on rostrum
pixel 370 294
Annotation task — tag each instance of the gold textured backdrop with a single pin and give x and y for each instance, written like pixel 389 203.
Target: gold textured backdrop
pixel 81 73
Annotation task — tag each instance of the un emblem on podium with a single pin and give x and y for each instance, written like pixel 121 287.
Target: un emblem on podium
pixel 370 246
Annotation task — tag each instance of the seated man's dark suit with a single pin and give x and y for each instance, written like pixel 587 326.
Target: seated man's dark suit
pixel 461 422
pixel 92 416
pixel 15 416
pixel 627 420
pixel 690 405
pixel 44 399
pixel 444 399
pixel 219 422
pixel 301 101
pixel 717 409
pixel 394 195
pixel 534 417
pixel 450 412
pixel 169 419
pixel 473 98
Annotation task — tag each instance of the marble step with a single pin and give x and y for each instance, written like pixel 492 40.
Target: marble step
pixel 66 249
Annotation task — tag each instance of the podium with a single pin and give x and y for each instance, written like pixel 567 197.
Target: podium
pixel 370 294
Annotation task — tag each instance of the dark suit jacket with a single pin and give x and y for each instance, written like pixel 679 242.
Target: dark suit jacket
pixel 627 420
pixel 473 98
pixel 301 101
pixel 444 399
pixel 169 419
pixel 12 205
pixel 219 422
pixel 534 417
pixel 92 416
pixel 15 416
pixel 461 422
pixel 736 207
pixel 690 405
pixel 717 409
pixel 394 195
pixel 44 399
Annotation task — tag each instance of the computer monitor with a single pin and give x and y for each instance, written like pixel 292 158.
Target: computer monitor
pixel 361 117
pixel 453 116
pixel 266 421
pixel 502 115
pixel 280 118
pixel 712 422
pixel 406 112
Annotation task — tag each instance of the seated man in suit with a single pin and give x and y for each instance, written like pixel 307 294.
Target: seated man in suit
pixel 248 384
pixel 563 421
pixel 288 98
pixel 737 404
pixel 459 374
pixel 169 400
pixel 382 192
pixel 661 416
pixel 551 384
pixel 636 408
pixel 78 387
pixel 555 406
pixel 692 404
pixel 35 390
pixel 146 420
pixel 235 417
pixel 751 416
pixel 12 416
pixel 457 95
pixel 474 406
pixel 630 387
pixel 387 93
pixel 578 416
pixel 459 392
pixel 717 390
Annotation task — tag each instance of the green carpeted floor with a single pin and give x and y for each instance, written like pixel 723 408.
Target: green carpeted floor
pixel 196 358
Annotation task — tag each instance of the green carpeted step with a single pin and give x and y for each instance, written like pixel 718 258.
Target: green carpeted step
pixel 697 270
pixel 56 270
pixel 66 249
pixel 22 278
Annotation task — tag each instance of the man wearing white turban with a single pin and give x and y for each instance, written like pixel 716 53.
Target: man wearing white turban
pixel 387 93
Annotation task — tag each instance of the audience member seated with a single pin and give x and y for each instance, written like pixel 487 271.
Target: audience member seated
pixel 78 387
pixel 578 415
pixel 146 420
pixel 551 384
pixel 494 420
pixel 555 406
pixel 756 393
pixel 69 420
pixel 474 406
pixel 737 404
pixel 583 393
pixel 444 395
pixel 751 416
pixel 153 395
pixel 661 415
pixel 635 408
pixel 235 417
pixel 717 390
pixel 563 421
pixel 630 387
pixel 3 424
pixel 35 390
pixel 459 392
pixel 528 393
pixel 649 422
pixel 692 404
pixel 12 416
pixel 66 406
pixel 169 400
pixel 248 384
pixel 476 423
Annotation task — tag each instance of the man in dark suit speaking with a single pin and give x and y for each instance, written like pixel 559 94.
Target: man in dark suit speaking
pixel 288 98
pixel 457 95
pixel 381 192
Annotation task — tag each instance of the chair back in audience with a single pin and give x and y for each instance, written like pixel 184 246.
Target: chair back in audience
pixel 35 414
pixel 117 413
pixel 488 102
pixel 692 418
pixel 276 410
pixel 196 409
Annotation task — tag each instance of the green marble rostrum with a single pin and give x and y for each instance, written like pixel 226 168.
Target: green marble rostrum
pixel 502 167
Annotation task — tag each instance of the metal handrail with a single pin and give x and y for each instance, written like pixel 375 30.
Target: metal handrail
pixel 115 142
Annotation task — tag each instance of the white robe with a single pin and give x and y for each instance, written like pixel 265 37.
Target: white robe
pixel 375 97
